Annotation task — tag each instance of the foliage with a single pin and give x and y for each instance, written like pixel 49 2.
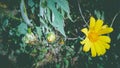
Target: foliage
pixel 46 34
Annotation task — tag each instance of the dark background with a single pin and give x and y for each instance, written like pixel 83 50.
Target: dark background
pixel 110 8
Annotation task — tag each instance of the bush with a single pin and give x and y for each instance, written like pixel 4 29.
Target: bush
pixel 47 34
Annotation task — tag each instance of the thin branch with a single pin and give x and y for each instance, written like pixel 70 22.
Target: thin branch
pixel 72 38
pixel 81 38
pixel 114 18
pixel 82 14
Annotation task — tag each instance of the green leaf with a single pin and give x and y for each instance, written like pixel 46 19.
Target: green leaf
pixel 22 28
pixel 66 63
pixel 29 30
pixel 70 17
pixel 57 65
pixel 57 18
pixel 102 15
pixel 99 15
pixel 48 15
pixel 42 10
pixel 64 5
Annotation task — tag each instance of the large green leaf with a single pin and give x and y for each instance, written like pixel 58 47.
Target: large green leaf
pixel 58 21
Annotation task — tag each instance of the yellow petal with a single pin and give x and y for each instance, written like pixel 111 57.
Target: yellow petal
pixel 105 30
pixel 93 51
pixel 103 50
pixel 98 25
pixel 104 26
pixel 92 22
pixel 105 39
pixel 85 31
pixel 101 45
pixel 97 48
pixel 87 46
pixel 107 46
pixel 84 41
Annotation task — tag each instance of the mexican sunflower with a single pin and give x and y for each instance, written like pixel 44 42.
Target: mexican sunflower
pixel 96 39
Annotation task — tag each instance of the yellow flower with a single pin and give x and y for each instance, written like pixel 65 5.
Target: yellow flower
pixel 95 39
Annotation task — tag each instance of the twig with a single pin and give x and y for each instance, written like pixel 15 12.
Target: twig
pixel 114 18
pixel 76 38
pixel 82 14
pixel 72 38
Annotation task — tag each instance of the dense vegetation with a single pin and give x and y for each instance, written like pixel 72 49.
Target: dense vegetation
pixel 47 33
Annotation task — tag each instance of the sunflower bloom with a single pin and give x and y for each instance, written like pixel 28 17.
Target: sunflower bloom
pixel 96 41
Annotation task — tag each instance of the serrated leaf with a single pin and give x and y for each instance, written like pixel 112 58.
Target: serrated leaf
pixel 61 30
pixel 58 22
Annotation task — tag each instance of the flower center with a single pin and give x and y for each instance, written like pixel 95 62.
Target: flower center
pixel 93 36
